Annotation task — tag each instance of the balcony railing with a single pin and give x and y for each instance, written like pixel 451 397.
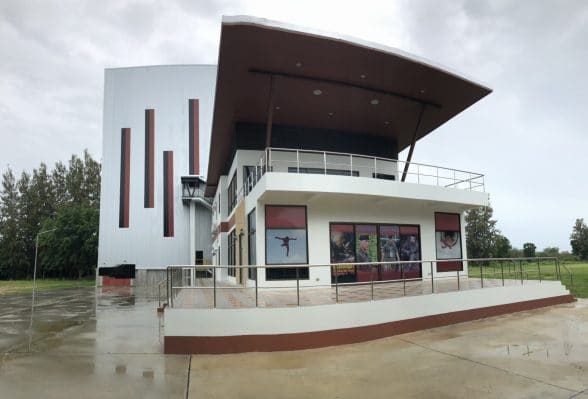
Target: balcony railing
pixel 190 286
pixel 354 165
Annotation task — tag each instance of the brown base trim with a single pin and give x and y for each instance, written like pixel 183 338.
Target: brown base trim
pixel 116 282
pixel 319 339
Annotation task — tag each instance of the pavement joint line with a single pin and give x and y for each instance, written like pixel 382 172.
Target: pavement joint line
pixel 575 392
pixel 188 377
pixel 578 393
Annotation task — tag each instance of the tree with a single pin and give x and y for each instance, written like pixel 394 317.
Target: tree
pixel 72 249
pixel 59 185
pixel 502 246
pixel 529 250
pixel 516 252
pixel 92 180
pixel 74 180
pixel 28 224
pixel 36 200
pixel 579 239
pixel 551 251
pixel 12 251
pixel 480 232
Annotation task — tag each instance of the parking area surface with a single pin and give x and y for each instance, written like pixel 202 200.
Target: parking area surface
pixel 107 344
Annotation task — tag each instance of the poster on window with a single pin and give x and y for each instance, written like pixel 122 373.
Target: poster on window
pixel 367 243
pixel 342 237
pixel 390 252
pixel 286 246
pixel 342 243
pixel 410 250
pixel 409 243
pixel 366 250
pixel 448 244
pixel 448 241
pixel 285 238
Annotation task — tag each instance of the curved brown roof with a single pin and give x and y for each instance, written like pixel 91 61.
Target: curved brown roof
pixel 351 75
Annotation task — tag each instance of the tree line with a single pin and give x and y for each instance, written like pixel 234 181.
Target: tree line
pixel 64 202
pixel 484 240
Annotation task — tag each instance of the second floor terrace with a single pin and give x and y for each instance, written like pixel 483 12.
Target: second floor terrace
pixel 294 105
pixel 295 174
pixel 327 163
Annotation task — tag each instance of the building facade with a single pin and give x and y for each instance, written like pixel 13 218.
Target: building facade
pixel 303 167
pixel 152 211
pixel 303 164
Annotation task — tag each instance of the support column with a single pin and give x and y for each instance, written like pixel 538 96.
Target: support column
pixel 192 232
pixel 270 114
pixel 412 143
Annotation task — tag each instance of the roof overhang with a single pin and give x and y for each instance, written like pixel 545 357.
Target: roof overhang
pixel 364 87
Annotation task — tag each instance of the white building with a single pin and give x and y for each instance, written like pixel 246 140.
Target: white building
pixel 304 194
pixel 147 218
pixel 310 126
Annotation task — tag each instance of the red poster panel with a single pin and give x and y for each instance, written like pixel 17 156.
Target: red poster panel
pixel 285 217
pixel 447 221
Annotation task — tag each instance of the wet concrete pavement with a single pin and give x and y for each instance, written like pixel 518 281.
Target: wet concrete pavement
pixel 102 344
pixel 86 343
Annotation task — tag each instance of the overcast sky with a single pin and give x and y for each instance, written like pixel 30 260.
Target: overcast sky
pixel 527 137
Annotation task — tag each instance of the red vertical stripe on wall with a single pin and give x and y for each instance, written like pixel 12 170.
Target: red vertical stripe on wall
pixel 168 193
pixel 149 158
pixel 125 177
pixel 194 141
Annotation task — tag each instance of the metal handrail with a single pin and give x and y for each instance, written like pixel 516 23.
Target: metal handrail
pixel 371 282
pixel 265 164
pixel 368 157
pixel 569 273
pixel 164 281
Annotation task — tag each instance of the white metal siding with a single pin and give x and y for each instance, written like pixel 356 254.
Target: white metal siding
pixel 127 93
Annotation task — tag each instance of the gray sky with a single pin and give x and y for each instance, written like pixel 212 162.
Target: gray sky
pixel 527 137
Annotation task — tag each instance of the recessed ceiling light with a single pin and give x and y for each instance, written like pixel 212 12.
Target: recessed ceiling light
pixel 317 92
pixel 331 113
pixel 363 76
pixel 298 64
pixel 375 101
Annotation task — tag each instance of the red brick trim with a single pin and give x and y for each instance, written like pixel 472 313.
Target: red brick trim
pixel 224 227
pixel 318 339
pixel 120 282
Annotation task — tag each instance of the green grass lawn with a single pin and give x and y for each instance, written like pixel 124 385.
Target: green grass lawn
pixel 25 286
pixel 573 274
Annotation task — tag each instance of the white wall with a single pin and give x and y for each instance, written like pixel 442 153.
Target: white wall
pixel 289 320
pixel 324 209
pixel 127 93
